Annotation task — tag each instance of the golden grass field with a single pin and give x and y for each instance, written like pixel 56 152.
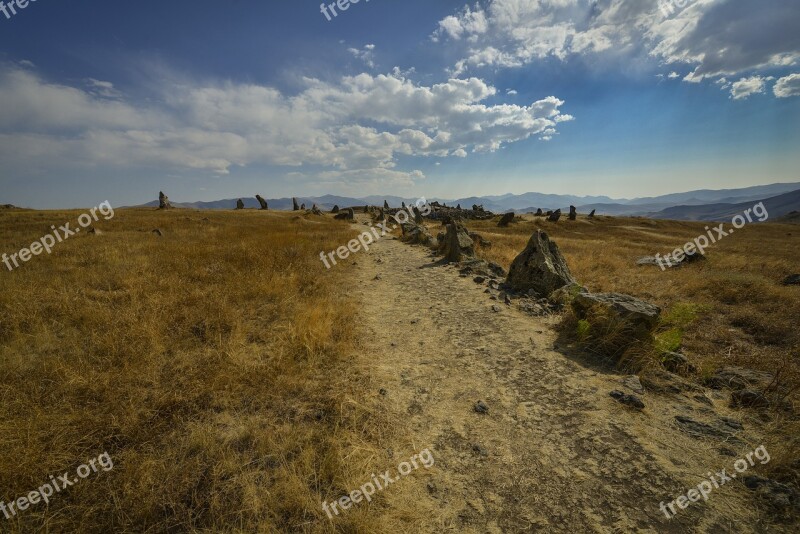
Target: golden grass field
pixel 218 365
pixel 729 310
pixel 214 364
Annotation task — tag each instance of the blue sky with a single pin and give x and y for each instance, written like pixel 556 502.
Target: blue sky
pixel 208 100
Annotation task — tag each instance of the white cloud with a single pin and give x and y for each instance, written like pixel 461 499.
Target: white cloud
pixel 748 86
pixel 787 86
pixel 354 128
pixel 714 38
pixel 366 54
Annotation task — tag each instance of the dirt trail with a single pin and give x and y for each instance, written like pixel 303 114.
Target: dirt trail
pixel 554 452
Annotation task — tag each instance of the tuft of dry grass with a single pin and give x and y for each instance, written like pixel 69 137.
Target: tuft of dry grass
pixel 214 364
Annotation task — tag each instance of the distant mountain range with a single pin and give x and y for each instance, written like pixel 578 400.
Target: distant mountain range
pixel 704 204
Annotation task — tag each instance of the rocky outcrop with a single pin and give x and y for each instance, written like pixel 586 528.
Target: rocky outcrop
pixel 637 315
pixel 416 234
pixel 457 243
pixel 295 205
pixel 262 202
pixel 555 216
pixel 346 215
pixel 163 201
pixel 240 204
pixel 573 213
pixel 506 219
pixel 540 267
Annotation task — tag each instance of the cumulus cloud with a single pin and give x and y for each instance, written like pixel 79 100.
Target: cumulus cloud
pixel 365 54
pixel 354 128
pixel 748 86
pixel 787 86
pixel 714 38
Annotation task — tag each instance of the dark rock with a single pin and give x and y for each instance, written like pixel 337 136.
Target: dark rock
pixel 554 216
pixel 641 316
pixel 416 234
pixel 481 268
pixel 457 244
pixel 792 280
pixel 629 400
pixel 240 204
pixel 303 206
pixel 748 398
pixel 506 219
pixel 479 450
pixel 738 378
pixel 698 429
pixel 418 215
pixel 262 202
pixel 315 210
pixel 335 209
pixel 346 215
pixel 677 363
pixel 480 407
pixel 781 497
pixel 479 279
pixel 157 232
pixel 479 240
pixel 539 213
pixel 573 213
pixel 540 267
pixel 733 423
pixel 591 215
pixel 295 205
pixel 163 201
pixel 670 260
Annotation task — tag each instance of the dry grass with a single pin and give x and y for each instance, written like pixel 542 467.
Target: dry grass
pixel 214 364
pixel 730 310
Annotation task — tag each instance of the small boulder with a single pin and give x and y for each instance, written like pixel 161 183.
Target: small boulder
pixel 335 209
pixel 457 243
pixel 677 363
pixel 163 201
pixel 346 215
pixel 540 267
pixel 480 407
pixel 629 400
pixel 240 204
pixel 640 316
pixel 506 219
pixel 792 280
pixel 158 232
pixel 737 378
pixel 539 213
pixel 554 216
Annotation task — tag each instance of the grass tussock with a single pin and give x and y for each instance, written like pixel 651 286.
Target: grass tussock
pixel 213 364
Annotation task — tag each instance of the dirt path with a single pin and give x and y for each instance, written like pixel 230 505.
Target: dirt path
pixel 554 452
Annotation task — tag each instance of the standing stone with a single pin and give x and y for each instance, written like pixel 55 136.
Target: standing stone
pixel 163 201
pixel 555 216
pixel 385 205
pixel 366 208
pixel 263 202
pixel 403 204
pixel 457 243
pixel 345 215
pixel 315 210
pixel 573 213
pixel 335 209
pixel 507 219
pixel 540 267
pixel 591 215
pixel 295 205
pixel 240 204
pixel 303 206
pixel 458 207
pixel 417 215
pixel 539 213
